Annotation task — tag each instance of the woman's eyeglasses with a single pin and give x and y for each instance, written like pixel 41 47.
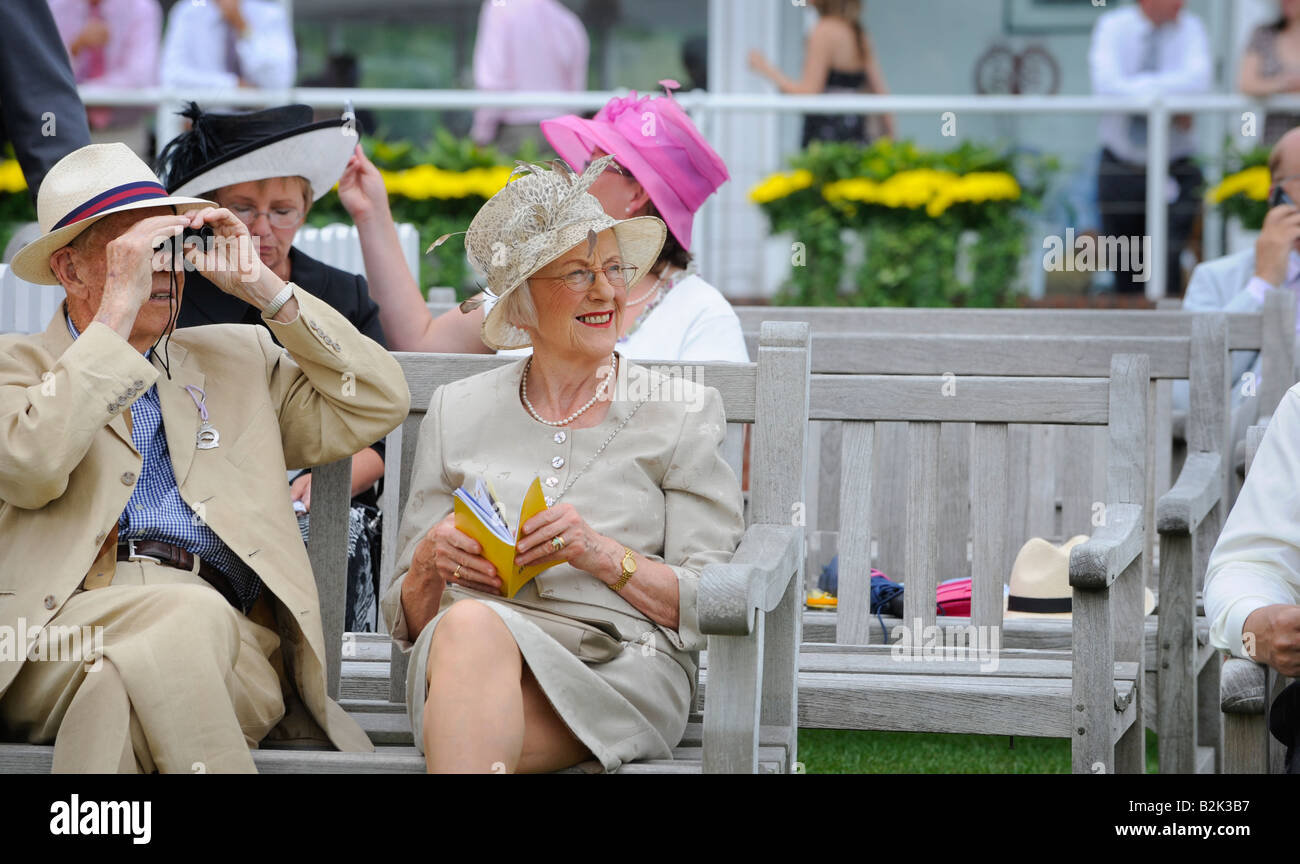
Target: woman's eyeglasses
pixel 612 168
pixel 279 217
pixel 618 275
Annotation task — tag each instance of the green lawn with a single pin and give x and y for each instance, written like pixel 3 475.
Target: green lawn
pixel 832 751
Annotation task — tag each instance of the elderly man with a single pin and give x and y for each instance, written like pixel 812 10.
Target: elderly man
pixel 141 487
pixel 1252 583
pixel 1239 282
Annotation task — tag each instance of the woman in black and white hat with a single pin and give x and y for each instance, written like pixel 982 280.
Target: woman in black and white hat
pixel 268 167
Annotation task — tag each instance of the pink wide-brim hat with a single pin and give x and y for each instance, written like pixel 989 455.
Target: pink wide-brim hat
pixel 654 139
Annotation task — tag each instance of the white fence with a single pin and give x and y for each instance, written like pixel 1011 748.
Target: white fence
pixel 339 246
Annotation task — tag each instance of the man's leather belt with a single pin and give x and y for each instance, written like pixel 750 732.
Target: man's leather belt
pixel 174 556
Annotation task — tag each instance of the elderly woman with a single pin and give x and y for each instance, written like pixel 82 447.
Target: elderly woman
pixel 268 167
pixel 594 657
pixel 672 312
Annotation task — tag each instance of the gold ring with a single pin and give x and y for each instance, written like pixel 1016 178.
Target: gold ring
pixel 558 542
pixel 456 573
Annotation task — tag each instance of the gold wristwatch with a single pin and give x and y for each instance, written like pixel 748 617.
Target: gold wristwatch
pixel 629 567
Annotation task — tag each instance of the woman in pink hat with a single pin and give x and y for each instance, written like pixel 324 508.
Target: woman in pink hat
pixel 662 167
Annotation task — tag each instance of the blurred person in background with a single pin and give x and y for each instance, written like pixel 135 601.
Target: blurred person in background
pixel 1154 46
pixel 113 43
pixel 838 58
pixel 525 45
pixel 267 167
pixel 672 313
pixel 40 111
pixel 1271 66
pixel 224 44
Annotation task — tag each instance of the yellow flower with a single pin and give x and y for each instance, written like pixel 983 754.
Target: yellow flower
pixel 778 186
pixel 426 181
pixel 11 177
pixel 936 191
pixel 1252 182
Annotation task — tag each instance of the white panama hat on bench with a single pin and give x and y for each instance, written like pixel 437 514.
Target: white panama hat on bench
pixel 1040 581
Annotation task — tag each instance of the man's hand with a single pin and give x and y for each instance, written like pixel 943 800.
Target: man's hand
pixel 1271 635
pixel 93 35
pixel 129 270
pixel 234 17
pixel 361 189
pixel 1277 238
pixel 235 268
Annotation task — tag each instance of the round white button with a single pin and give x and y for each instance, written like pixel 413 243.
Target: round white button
pixel 560 437
pixel 552 482
pixel 557 462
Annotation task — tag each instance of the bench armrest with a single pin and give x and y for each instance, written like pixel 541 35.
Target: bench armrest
pixel 756 578
pixel 1198 489
pixel 1095 564
pixel 1241 686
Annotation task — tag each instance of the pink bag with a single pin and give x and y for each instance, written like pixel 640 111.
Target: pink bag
pixel 954 597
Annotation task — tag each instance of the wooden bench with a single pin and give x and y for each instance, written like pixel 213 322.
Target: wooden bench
pixel 750 608
pixel 1246 694
pixel 1202 359
pixel 1087 694
pixel 1052 451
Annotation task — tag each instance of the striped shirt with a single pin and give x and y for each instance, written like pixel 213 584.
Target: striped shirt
pixel 156 510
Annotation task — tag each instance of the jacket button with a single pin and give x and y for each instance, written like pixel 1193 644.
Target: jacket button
pixel 111 408
pixel 50 602
pixel 560 436
pixel 557 462
pixel 128 478
pixel 138 384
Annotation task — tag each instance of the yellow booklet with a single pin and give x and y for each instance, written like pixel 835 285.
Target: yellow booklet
pixel 480 515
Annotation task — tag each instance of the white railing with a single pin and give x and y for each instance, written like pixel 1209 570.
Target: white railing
pixel 702 104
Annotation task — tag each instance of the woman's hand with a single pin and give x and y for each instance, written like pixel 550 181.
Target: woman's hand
pixel 458 558
pixel 583 547
pixel 759 63
pixel 300 490
pixel 361 188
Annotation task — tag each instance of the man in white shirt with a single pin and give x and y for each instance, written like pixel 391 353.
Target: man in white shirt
pixel 1151 47
pixel 1252 584
pixel 223 44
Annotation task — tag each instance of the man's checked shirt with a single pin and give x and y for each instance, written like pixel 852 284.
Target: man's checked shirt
pixel 156 510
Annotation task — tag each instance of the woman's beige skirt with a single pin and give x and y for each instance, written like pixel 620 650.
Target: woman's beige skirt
pixel 631 707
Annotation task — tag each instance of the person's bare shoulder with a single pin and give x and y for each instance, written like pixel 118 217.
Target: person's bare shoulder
pixel 838 39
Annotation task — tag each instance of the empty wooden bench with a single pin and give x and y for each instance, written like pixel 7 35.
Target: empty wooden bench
pixel 1088 694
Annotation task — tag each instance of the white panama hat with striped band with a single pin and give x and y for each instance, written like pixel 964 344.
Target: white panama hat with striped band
pixel 83 187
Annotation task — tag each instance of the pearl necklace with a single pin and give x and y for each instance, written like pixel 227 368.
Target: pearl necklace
pixel 600 391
